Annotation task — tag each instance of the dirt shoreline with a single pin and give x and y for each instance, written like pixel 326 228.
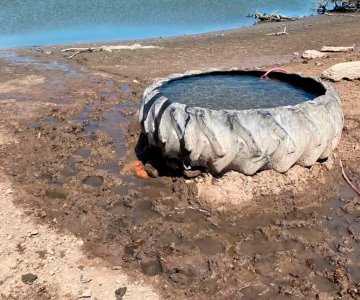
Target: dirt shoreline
pixel 67 138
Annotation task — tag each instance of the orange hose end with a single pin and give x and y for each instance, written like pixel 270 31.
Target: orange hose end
pixel 139 170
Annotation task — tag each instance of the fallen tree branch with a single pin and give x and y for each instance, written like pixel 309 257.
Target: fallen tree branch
pixel 274 17
pixel 278 33
pixel 106 48
pixel 337 49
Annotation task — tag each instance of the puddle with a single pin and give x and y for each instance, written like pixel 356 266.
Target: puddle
pixel 110 167
pixel 125 88
pixel 144 211
pixel 55 194
pixel 70 169
pixel 48 120
pixel 62 101
pixel 94 181
pixel 13 58
pixel 151 268
pixel 83 152
pixel 209 246
pixel 113 124
pixel 95 79
pixel 108 95
pixel 110 83
pixel 85 113
pixel 15 97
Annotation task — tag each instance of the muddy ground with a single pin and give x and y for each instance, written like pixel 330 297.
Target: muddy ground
pixel 68 131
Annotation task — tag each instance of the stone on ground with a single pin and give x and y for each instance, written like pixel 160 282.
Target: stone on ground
pixel 348 70
pixel 312 54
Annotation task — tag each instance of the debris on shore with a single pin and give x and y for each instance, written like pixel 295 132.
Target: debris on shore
pixel 337 49
pixel 274 17
pixel 106 48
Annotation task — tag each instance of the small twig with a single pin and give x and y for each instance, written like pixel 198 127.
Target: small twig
pixel 348 180
pixel 73 55
pixel 278 33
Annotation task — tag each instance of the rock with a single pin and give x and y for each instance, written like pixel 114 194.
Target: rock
pixel 33 233
pixel 28 278
pixel 296 53
pixel 53 272
pixel 336 49
pixel 120 293
pixel 80 242
pixel 151 170
pixel 325 296
pixel 8 191
pixel 191 173
pixel 311 54
pixel 84 279
pixel 85 294
pixel 329 164
pixel 348 70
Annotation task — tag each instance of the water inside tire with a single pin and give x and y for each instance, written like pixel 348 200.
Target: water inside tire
pixel 235 92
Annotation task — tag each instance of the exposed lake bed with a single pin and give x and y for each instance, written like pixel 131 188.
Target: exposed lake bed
pixel 68 137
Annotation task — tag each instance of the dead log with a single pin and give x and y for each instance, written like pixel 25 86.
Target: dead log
pixel 274 17
pixel 106 48
pixel 336 49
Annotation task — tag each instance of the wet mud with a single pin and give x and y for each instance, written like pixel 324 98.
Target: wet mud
pixel 72 166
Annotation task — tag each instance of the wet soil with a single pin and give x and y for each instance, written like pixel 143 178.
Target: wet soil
pixel 76 134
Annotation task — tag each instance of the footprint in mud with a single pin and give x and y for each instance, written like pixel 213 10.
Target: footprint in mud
pixel 55 194
pixel 151 268
pixel 83 152
pixel 209 246
pixel 94 181
pixel 125 88
pixel 70 169
pixel 113 168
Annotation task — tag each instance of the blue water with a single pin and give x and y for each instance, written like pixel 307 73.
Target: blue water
pixel 46 22
pixel 234 92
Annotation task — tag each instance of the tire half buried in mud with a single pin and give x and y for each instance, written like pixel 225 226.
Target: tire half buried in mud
pixel 244 140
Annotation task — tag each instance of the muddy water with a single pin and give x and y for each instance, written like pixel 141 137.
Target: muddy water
pixel 11 57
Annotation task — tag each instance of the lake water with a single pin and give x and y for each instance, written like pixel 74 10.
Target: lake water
pixel 46 22
pixel 239 92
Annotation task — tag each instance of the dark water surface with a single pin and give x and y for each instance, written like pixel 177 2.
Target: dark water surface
pixel 44 22
pixel 234 92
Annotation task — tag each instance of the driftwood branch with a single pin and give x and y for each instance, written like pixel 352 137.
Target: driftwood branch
pixel 274 17
pixel 337 49
pixel 106 48
pixel 284 32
